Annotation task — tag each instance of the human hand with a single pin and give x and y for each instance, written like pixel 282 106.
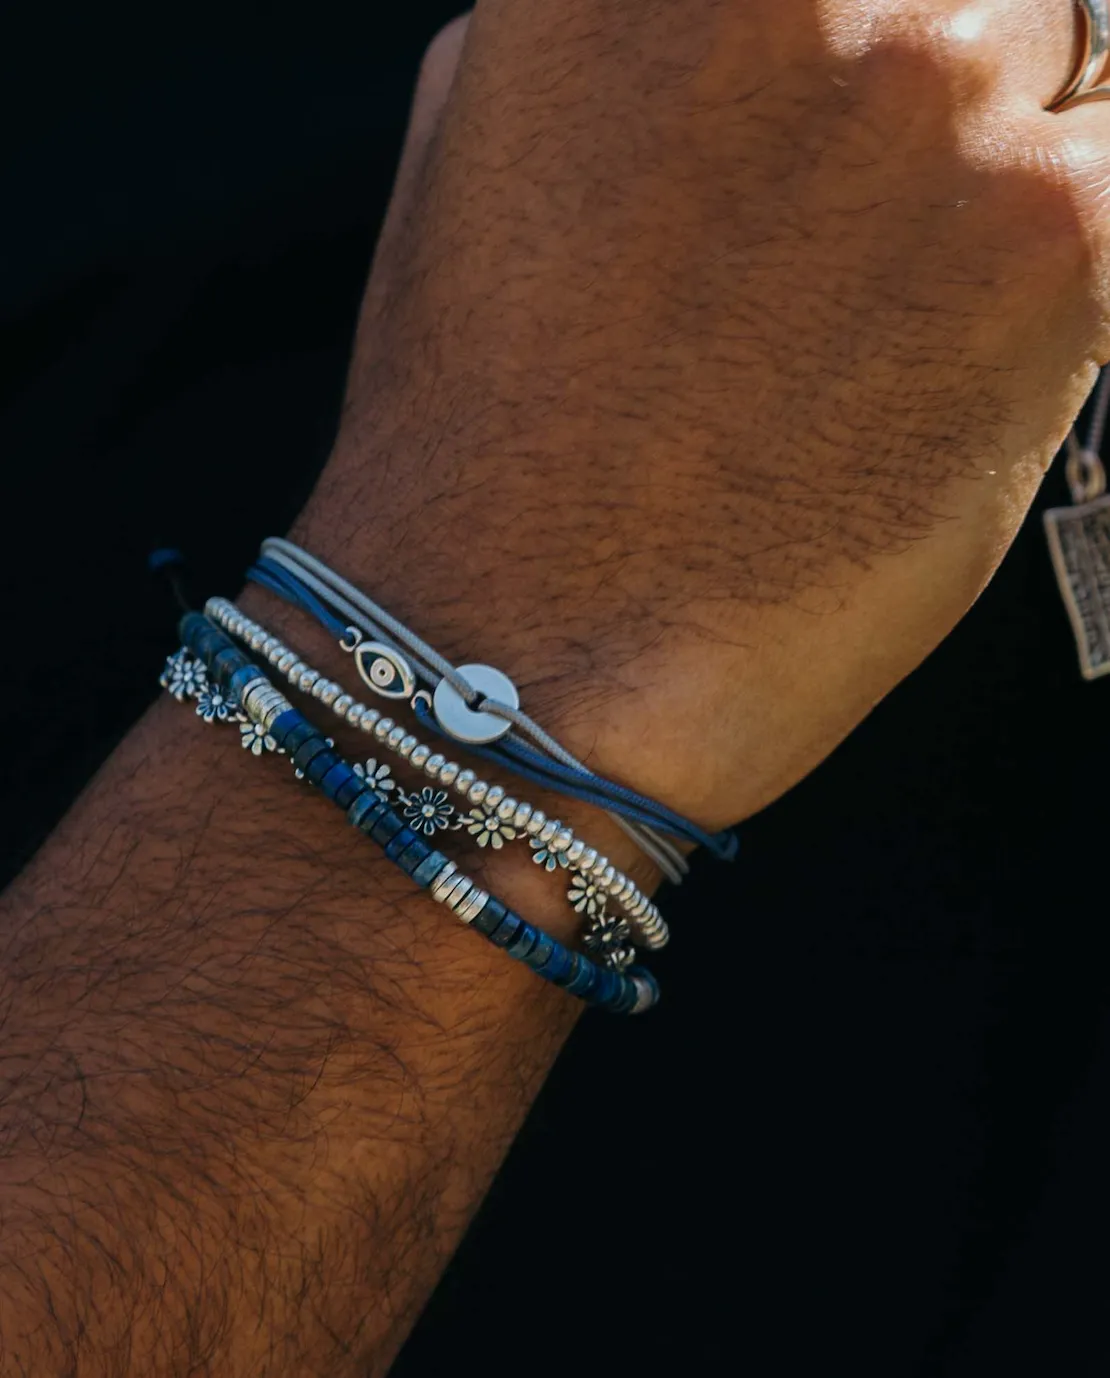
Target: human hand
pixel 712 357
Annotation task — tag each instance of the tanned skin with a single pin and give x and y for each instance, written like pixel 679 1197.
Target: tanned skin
pixel 712 355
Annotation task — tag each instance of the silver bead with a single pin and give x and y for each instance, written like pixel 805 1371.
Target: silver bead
pixel 277 653
pixel 295 671
pixel 494 796
pixel 307 679
pixel 477 791
pixel 442 883
pixel 253 690
pixel 465 779
pixel 405 746
pixel 447 772
pixel 433 766
pixel 506 809
pixel 536 823
pixel 320 685
pixel 273 712
pixel 342 703
pixel 369 719
pixel 549 829
pixel 562 840
pixel 353 713
pixel 329 693
pixel 473 905
pixel 396 737
pixel 575 850
pixel 419 755
pixel 606 877
pixel 383 729
pixel 522 816
pixel 256 639
pixel 289 658
pixel 268 644
pixel 456 892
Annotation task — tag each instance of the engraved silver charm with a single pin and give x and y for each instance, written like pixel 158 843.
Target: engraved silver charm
pixel 543 854
pixel 607 940
pixel 184 675
pixel 488 829
pixel 585 895
pixel 427 811
pixel 212 706
pixel 1079 542
pixel 254 738
pixel 378 777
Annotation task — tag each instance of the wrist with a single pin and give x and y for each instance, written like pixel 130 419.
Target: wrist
pixel 484 845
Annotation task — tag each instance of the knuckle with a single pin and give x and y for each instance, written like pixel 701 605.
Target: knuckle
pixel 932 64
pixel 442 52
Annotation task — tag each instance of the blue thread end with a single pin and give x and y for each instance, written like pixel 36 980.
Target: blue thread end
pixel 166 557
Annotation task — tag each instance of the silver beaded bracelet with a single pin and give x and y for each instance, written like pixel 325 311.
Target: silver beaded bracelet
pixel 493 819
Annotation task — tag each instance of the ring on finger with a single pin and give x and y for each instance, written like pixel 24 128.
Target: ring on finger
pixel 1094 48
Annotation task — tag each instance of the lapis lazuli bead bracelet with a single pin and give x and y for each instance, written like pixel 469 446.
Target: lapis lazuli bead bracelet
pixel 241 685
pixel 594 887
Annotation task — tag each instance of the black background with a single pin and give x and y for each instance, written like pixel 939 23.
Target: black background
pixel 866 1132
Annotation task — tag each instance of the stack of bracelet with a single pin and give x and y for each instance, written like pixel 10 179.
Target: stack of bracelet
pixel 229 687
pixel 493 818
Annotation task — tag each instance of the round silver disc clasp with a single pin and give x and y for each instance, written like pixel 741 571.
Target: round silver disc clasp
pixel 470 724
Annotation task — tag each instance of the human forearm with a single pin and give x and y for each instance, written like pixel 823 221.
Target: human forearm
pixel 252 1086
pixel 701 387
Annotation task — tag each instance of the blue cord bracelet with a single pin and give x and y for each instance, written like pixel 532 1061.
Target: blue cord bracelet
pixel 312 753
pixel 521 760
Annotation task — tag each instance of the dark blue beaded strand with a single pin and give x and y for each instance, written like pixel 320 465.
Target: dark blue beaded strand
pixel 312 753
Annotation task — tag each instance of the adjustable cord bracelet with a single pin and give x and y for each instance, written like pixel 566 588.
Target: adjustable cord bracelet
pixel 494 818
pixel 474 704
pixel 229 687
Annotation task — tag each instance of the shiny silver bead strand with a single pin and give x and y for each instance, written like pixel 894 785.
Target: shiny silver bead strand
pixel 648 925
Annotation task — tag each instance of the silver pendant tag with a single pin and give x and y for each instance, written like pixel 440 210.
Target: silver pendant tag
pixel 1079 541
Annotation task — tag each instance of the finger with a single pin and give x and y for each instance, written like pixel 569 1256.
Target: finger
pixel 1027 49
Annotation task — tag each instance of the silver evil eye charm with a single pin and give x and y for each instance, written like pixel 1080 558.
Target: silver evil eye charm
pixel 385 670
